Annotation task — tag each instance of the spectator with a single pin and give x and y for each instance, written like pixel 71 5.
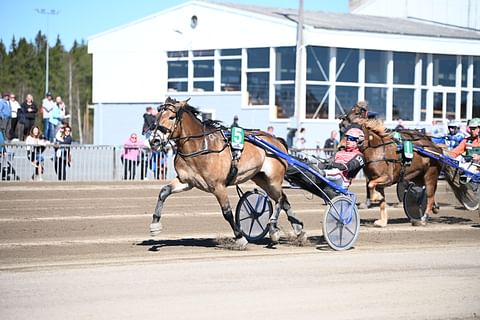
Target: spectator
pixel 270 130
pixel 5 114
pixel 130 156
pixel 148 122
pixel 35 147
pixel 47 108
pixel 235 122
pixel 437 133
pixel 63 156
pixel 29 113
pixel 16 110
pixel 400 125
pixel 292 129
pixel 300 142
pixel 57 115
pixel 330 144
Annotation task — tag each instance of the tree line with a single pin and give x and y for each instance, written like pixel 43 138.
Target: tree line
pixel 22 71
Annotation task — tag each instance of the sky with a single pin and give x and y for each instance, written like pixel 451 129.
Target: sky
pixel 80 19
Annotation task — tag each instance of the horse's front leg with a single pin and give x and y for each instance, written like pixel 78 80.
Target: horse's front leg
pixel 224 202
pixel 173 187
pixel 378 193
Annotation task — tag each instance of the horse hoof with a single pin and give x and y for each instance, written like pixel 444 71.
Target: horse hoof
pixel 363 205
pixel 380 224
pixel 275 236
pixel 155 229
pixel 241 243
pixel 302 237
pixel 436 209
pixel 419 223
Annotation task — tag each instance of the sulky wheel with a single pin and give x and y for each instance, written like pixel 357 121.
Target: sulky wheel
pixel 253 214
pixel 341 224
pixel 415 202
pixel 402 186
pixel 470 195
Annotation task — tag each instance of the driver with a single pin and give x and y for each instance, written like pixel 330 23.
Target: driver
pixel 347 161
pixel 454 136
pixel 470 146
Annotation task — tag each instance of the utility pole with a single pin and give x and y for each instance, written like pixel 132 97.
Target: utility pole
pixel 48 13
pixel 299 97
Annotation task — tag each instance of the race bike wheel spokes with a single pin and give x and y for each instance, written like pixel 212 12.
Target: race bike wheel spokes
pixel 341 224
pixel 253 214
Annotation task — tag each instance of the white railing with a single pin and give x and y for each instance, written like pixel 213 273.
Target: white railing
pixel 88 163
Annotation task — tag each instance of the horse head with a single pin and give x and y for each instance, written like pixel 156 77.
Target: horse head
pixel 167 122
pixel 358 111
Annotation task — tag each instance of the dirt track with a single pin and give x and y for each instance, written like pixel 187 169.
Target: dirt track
pixel 50 227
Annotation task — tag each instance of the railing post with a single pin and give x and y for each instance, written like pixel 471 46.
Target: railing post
pixel 114 163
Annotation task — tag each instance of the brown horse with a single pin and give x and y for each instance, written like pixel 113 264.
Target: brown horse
pixel 204 160
pixel 384 165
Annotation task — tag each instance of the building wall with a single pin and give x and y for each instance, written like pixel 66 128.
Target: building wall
pixel 130 71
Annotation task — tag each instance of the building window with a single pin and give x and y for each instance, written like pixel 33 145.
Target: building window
pixel 422 57
pixel 476 72
pixel 404 67
pixel 258 76
pixel 476 105
pixel 423 105
pixel 318 61
pixel 231 75
pixel 347 65
pixel 317 102
pixel 463 105
pixel 285 59
pixel 402 104
pixel 376 66
pixel 377 100
pixel 464 71
pixel 444 70
pixel 285 100
pixel 345 98
pixel 178 75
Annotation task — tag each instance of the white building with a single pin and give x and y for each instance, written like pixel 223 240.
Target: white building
pixel 240 60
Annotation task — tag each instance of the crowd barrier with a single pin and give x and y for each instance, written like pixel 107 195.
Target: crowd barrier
pixel 86 163
pixel 92 163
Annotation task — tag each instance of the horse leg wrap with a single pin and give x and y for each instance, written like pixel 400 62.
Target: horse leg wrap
pixel 156 226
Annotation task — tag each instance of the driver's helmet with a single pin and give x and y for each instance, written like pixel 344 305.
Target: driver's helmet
pixel 475 122
pixel 355 134
pixel 453 126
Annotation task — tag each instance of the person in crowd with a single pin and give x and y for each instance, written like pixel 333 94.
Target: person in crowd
pixel 29 112
pixel 47 108
pixel 16 111
pixel 300 139
pixel 36 145
pixel 57 115
pixel 5 114
pixel 330 144
pixel 235 122
pixel 131 156
pixel 148 122
pixel 468 151
pixel 348 161
pixel 63 155
pixel 270 130
pixel 399 126
pixel 454 136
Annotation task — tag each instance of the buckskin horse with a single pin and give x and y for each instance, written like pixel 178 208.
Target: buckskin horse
pixel 384 165
pixel 204 160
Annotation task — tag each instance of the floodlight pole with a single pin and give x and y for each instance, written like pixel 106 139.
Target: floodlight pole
pixel 48 13
pixel 299 66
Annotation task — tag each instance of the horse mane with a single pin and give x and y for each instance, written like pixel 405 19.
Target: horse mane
pixel 375 125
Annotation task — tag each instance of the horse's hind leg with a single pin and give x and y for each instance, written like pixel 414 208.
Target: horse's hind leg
pixel 296 223
pixel 173 187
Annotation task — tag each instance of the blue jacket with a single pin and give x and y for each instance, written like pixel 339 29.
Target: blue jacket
pixel 5 109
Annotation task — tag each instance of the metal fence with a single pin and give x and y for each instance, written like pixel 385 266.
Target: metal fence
pixel 88 163
pixel 94 163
